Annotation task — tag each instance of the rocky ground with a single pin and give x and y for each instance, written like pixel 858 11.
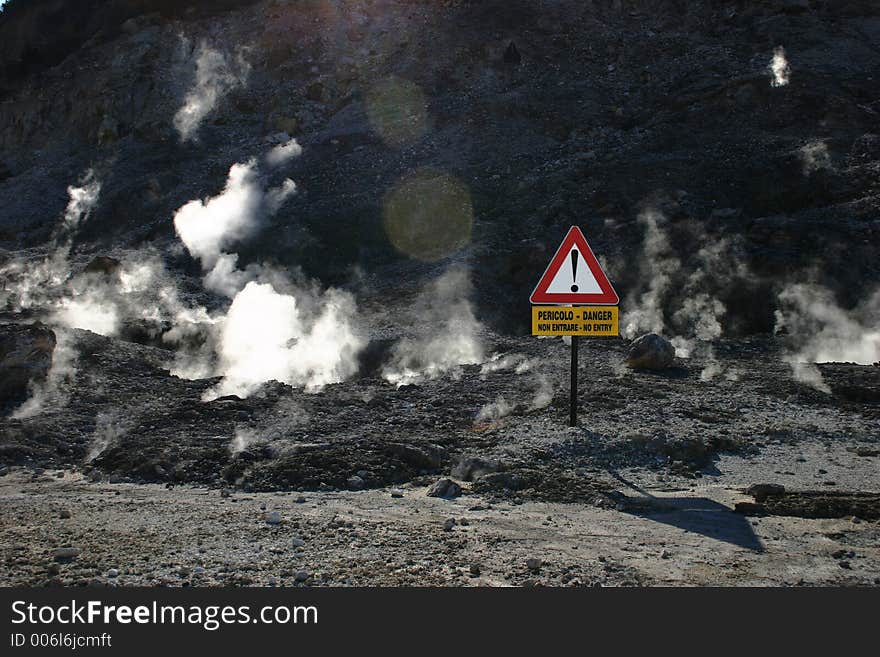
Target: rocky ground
pixel 686 533
pixel 643 492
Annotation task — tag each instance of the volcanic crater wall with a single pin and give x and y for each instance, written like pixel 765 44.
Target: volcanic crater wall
pixel 661 128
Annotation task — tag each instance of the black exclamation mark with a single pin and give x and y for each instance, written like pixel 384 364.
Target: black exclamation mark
pixel 574 269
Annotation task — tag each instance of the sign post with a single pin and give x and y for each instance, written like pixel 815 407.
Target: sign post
pixel 573 396
pixel 574 278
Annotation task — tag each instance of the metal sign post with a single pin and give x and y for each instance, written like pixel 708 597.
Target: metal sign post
pixel 573 420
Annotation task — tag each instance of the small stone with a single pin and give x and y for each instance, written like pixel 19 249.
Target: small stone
pixel 396 494
pixel 300 500
pixel 298 542
pixel 533 564
pixel 113 572
pixel 449 524
pixel 64 514
pixel 273 518
pixel 665 554
pixel 355 483
pixel 475 570
pixel 66 553
pixel 272 581
pixel 302 576
pixel 761 491
pixel 855 520
pixel 198 570
pixel 846 565
pixel 53 569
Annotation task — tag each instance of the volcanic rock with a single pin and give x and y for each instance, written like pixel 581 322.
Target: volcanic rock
pixel 445 488
pixel 650 352
pixel 511 55
pixel 25 356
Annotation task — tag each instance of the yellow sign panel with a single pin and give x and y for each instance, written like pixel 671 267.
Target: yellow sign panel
pixel 589 321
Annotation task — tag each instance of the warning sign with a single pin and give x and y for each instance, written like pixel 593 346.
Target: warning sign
pixel 591 321
pixel 574 276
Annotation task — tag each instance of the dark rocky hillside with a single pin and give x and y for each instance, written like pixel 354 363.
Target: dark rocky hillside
pixel 605 108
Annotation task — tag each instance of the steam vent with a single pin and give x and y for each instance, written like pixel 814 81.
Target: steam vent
pixel 265 278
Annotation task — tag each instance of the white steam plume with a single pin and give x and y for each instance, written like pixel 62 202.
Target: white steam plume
pixel 644 309
pixel 243 439
pixel 815 156
pixel 28 285
pixel 109 428
pixel 281 153
pixel 543 395
pixel 265 336
pixel 449 336
pixel 780 70
pixel 53 389
pixel 272 331
pixel 495 411
pixel 215 77
pixel 825 332
pixel 208 227
pixel 82 201
pixel 697 320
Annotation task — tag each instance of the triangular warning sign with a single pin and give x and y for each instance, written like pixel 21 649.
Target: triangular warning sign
pixel 574 276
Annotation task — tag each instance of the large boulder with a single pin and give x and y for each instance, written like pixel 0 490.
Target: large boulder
pixel 445 488
pixel 650 352
pixel 25 356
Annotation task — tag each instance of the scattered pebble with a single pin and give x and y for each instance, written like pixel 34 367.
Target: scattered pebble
pixel 66 553
pixel 273 518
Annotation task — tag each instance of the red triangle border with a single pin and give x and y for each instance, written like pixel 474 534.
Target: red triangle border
pixel 540 296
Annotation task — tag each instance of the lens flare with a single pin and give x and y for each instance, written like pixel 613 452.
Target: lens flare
pixel 398 111
pixel 428 215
